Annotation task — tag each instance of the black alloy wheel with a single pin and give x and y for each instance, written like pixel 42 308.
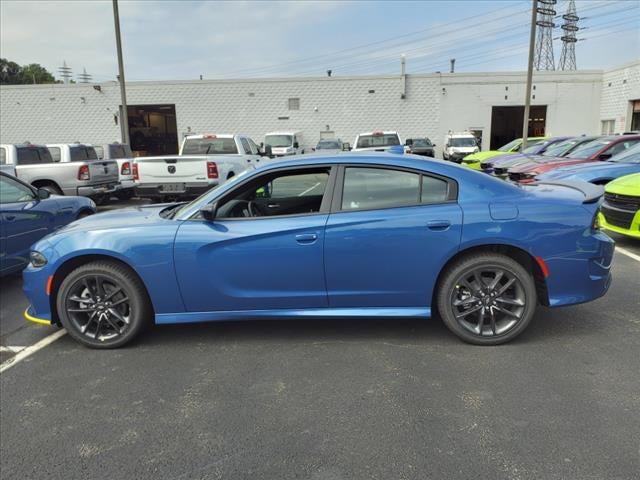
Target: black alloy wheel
pixel 102 305
pixel 487 299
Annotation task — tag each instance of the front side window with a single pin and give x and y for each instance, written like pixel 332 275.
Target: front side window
pixel 33 155
pixel 295 192
pixel 254 148
pixel 14 192
pixel 631 155
pixel 99 152
pixel 621 147
pixel 245 146
pixel 513 145
pixel 588 149
pixel 55 153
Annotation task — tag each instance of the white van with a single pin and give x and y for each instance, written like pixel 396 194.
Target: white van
pixel 284 143
pixel 456 146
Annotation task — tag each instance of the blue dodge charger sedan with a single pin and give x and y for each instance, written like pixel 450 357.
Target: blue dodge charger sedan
pixel 27 214
pixel 352 235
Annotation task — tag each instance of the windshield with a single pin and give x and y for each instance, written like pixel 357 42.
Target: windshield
pixel 209 146
pixel 589 149
pixel 278 140
pixel 379 140
pixel 421 142
pixel 510 146
pixel 632 155
pixel 463 142
pixel 562 148
pixel 329 145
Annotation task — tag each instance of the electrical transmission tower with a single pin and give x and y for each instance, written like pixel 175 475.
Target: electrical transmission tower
pixel 65 72
pixel 543 59
pixel 84 77
pixel 570 27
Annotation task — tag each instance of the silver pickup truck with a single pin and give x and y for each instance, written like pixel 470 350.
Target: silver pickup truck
pixel 69 169
pixel 121 153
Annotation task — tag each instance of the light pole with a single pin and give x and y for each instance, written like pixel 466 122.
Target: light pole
pixel 527 100
pixel 124 116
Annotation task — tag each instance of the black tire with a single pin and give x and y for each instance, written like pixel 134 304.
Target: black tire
pixel 464 303
pixel 101 199
pixel 52 189
pixel 109 283
pixel 125 194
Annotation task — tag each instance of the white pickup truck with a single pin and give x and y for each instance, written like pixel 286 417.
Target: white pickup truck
pixel 204 162
pixel 376 141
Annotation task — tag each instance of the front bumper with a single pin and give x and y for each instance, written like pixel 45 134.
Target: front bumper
pixel 97 190
pixel 186 190
pixel 30 315
pixel 632 231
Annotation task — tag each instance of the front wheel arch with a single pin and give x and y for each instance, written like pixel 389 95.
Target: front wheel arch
pixel 72 263
pixel 521 256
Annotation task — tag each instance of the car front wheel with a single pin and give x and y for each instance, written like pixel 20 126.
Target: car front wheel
pixel 487 298
pixel 103 304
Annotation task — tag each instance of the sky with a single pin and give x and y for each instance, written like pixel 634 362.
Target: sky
pixel 168 40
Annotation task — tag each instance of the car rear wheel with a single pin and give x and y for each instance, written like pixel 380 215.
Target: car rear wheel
pixel 487 298
pixel 103 305
pixel 52 189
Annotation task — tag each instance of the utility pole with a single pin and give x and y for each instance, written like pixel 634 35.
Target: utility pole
pixel 527 100
pixel 124 115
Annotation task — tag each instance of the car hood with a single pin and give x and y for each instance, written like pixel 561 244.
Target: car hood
pixel 532 164
pixel 627 185
pixel 480 156
pixel 121 218
pixel 591 170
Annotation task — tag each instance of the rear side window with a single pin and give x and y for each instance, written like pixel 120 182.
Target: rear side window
pixel 55 153
pixel 99 151
pixel 33 155
pixel 368 188
pixel 3 156
pixel 209 146
pixel 82 153
pixel 372 188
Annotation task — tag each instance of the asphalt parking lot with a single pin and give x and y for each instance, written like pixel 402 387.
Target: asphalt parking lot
pixel 331 400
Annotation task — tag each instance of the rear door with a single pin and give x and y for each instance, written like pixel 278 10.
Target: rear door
pixel 174 169
pixel 388 236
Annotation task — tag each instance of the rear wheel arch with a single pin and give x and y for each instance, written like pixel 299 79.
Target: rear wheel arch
pixel 518 254
pixel 47 183
pixel 71 264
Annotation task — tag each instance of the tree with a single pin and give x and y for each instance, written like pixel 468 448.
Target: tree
pixel 13 74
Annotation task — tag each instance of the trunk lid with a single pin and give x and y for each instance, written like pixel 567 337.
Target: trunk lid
pixel 103 171
pixel 168 169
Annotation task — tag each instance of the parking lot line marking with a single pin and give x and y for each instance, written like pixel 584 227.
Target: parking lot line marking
pixel 629 254
pixel 28 351
pixel 11 348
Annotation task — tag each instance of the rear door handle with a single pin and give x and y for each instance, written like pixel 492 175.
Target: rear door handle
pixel 306 238
pixel 438 225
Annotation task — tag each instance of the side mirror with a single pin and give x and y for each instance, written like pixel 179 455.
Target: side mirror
pixel 43 194
pixel 209 211
pixel 267 151
pixel 433 144
pixel 346 147
pixel 408 142
pixel 604 156
pixel 296 145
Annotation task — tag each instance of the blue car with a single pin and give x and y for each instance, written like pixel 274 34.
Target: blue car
pixel 601 172
pixel 28 214
pixel 352 235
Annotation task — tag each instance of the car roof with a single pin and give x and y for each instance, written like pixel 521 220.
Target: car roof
pixel 288 132
pixel 216 135
pixel 383 132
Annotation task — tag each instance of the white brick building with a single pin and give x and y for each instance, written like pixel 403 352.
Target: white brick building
pixel 420 105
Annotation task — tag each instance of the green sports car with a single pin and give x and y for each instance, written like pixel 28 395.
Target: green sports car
pixel 620 211
pixel 473 161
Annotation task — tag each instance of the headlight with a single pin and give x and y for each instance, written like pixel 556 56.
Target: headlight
pixel 37 259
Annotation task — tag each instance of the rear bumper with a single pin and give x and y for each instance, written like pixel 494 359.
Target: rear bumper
pixel 126 184
pixel 155 190
pixel 583 276
pixel 97 190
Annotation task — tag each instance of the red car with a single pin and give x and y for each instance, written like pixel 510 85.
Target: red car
pixel 601 149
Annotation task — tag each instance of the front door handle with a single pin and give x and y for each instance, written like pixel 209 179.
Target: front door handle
pixel 438 225
pixel 306 238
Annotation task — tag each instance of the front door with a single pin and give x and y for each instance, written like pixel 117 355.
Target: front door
pixel 389 235
pixel 263 251
pixel 22 223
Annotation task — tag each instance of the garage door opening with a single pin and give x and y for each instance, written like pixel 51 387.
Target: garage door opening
pixel 506 123
pixel 152 129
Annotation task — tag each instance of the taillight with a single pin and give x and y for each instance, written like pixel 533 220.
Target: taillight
pixel 212 170
pixel 126 169
pixel 83 172
pixel 136 176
